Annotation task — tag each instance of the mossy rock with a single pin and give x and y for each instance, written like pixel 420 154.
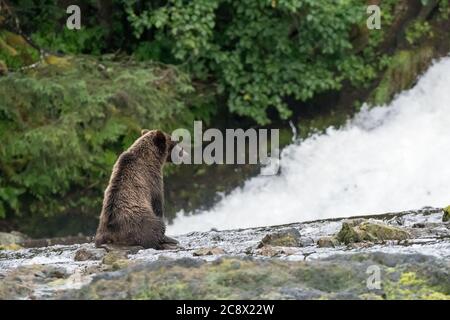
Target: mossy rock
pixel 116 260
pixel 15 51
pixel 412 286
pixel 11 238
pixel 404 68
pixel 84 254
pixel 327 242
pixel 285 238
pixel 373 231
pixel 446 216
pixel 339 277
pixel 12 247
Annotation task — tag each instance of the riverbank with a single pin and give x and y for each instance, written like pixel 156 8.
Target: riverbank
pixel 325 259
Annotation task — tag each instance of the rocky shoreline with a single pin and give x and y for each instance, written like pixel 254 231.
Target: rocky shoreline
pixel 402 255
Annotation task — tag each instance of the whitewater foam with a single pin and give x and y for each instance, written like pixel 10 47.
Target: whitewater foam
pixel 388 158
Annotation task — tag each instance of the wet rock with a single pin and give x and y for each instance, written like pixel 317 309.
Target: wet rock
pixel 208 252
pixel 327 242
pixel 125 249
pixel 115 260
pixel 340 277
pixel 11 238
pixel 446 216
pixel 285 238
pixel 419 225
pixel 306 241
pixel 84 254
pixel 271 251
pixel 258 270
pixel 360 245
pixel 216 238
pixel 360 230
pixel 11 247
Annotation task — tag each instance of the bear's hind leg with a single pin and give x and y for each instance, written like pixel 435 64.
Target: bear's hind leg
pixel 152 233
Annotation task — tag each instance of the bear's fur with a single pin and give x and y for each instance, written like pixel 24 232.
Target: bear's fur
pixel 133 204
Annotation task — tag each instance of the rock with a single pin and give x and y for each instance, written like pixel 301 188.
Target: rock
pixel 84 254
pixel 270 251
pixel 419 225
pixel 285 238
pixel 301 293
pixel 327 242
pixel 208 251
pixel 338 277
pixel 125 249
pixel 365 230
pixel 360 245
pixel 11 247
pixel 306 242
pixel 11 238
pixel 446 216
pixel 416 269
pixel 116 260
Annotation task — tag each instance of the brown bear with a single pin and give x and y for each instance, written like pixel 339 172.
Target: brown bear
pixel 133 204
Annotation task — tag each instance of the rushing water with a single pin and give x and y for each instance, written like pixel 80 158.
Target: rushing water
pixel 388 158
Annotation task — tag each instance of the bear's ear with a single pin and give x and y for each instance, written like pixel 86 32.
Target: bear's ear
pixel 144 131
pixel 160 140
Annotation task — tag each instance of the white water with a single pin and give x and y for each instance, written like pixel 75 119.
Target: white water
pixel 388 158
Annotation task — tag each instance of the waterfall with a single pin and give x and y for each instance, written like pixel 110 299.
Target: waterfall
pixel 387 158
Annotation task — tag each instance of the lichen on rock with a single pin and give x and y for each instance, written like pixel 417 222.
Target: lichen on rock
pixel 327 242
pixel 369 230
pixel 446 216
pixel 285 238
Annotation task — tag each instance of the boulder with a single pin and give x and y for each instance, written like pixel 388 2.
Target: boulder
pixel 360 230
pixel 446 216
pixel 327 242
pixel 285 238
pixel 84 254
pixel 11 238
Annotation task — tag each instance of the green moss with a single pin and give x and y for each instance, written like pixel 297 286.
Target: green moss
pixel 417 31
pixel 12 246
pixel 234 278
pixel 320 123
pixel 15 51
pixel 446 216
pixel 286 238
pixel 369 231
pixel 412 286
pixel 347 234
pixel 327 279
pixel 382 232
pixel 404 68
pixel 175 290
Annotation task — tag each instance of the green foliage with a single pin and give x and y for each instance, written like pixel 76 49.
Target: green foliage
pixel 418 30
pixel 261 52
pixel 444 9
pixel 45 21
pixel 15 52
pixel 63 129
pixel 257 52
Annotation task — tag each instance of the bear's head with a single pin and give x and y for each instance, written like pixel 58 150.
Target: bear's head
pixel 164 143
